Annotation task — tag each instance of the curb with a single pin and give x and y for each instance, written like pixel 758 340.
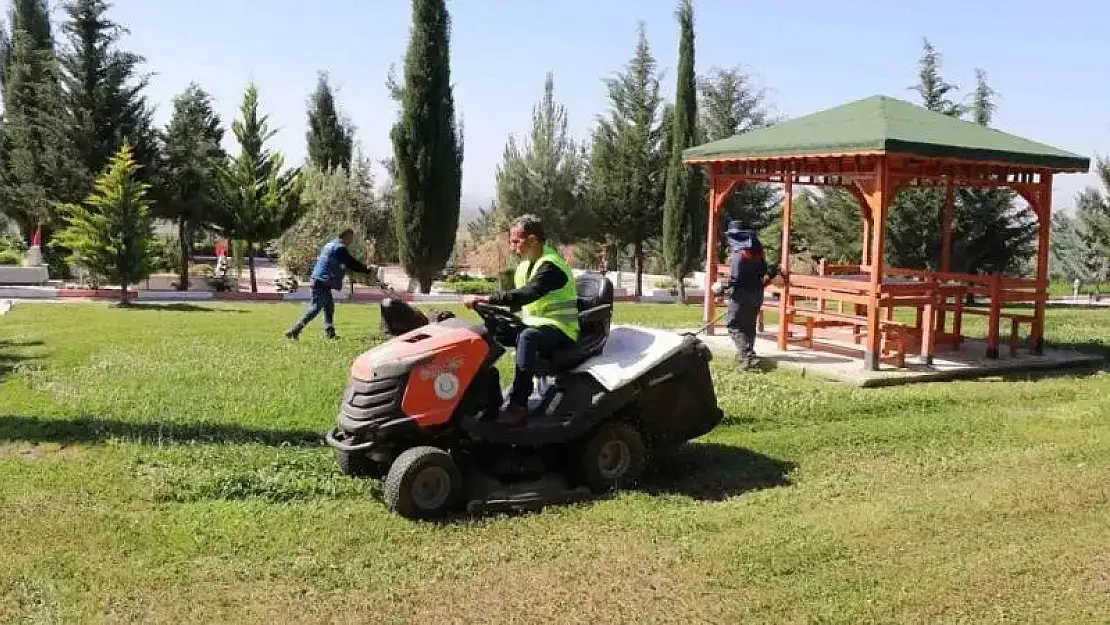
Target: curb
pixel 50 293
pixel 39 293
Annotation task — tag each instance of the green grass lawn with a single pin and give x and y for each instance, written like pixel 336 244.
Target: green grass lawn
pixel 164 464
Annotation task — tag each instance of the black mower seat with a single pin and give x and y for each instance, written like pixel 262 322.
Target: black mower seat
pixel 595 314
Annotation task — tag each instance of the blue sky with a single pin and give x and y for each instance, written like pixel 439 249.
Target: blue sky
pixel 1046 61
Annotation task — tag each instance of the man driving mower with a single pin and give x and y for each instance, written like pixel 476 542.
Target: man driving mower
pixel 546 294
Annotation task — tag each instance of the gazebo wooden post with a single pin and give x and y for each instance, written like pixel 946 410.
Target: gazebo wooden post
pixel 865 243
pixel 878 197
pixel 1044 218
pixel 784 260
pixel 709 301
pixel 938 320
pixel 865 255
pixel 946 226
pixel 717 198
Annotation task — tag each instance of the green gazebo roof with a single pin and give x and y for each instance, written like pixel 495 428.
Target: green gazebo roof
pixel 882 123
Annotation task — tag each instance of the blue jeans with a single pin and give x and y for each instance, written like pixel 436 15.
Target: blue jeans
pixel 322 300
pixel 531 343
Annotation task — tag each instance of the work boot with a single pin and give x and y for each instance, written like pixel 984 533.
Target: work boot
pixel 512 415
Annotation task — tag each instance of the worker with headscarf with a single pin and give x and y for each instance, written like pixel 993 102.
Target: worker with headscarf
pixel 749 274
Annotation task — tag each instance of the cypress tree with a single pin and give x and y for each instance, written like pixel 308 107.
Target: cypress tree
pixel 683 208
pixel 427 148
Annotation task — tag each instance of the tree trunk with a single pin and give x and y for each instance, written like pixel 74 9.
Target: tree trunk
pixel 426 283
pixel 250 266
pixel 682 291
pixel 183 240
pixel 639 255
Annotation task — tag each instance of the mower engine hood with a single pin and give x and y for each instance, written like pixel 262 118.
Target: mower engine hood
pixel 396 357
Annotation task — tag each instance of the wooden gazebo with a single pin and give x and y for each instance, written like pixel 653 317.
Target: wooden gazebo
pixel 873 148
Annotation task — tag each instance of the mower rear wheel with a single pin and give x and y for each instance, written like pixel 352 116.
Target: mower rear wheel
pixel 358 465
pixel 614 456
pixel 423 483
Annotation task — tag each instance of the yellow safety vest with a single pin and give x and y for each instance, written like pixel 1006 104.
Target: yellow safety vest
pixel 558 308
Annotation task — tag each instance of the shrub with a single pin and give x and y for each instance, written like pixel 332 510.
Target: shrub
pixel 474 286
pixel 10 257
pixel 666 283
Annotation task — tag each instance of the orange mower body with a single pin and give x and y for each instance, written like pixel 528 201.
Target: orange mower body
pixel 420 409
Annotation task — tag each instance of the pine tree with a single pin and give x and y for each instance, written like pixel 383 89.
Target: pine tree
pixel 545 175
pixel 684 208
pixel 104 94
pixel 112 234
pixel 932 88
pixel 913 229
pixel 732 104
pixel 330 136
pixel 1092 230
pixel 990 232
pixel 1069 258
pixel 39 164
pixel 427 148
pixel 827 225
pixel 627 165
pixel 191 156
pixel 32 18
pixel 259 199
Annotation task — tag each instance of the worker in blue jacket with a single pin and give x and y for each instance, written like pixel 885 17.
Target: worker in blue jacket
pixel 749 274
pixel 327 275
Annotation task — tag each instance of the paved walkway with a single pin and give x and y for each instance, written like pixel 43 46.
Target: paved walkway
pixel 969 362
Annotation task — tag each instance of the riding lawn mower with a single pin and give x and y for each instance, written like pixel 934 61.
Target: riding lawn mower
pixel 420 409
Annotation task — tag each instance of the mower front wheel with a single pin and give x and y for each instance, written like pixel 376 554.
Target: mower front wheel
pixel 613 457
pixel 423 483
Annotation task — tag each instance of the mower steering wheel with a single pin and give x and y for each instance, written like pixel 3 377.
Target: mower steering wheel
pixel 496 315
pixel 502 324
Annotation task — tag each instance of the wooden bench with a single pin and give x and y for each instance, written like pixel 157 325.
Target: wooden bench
pixel 1015 325
pixel 896 337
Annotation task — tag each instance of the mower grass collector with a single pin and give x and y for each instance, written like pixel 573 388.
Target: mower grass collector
pixel 420 409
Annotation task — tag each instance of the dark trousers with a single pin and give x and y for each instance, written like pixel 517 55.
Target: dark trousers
pixel 322 300
pixel 531 343
pixel 743 312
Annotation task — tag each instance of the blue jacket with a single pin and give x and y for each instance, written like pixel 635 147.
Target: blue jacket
pixel 332 263
pixel 748 267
